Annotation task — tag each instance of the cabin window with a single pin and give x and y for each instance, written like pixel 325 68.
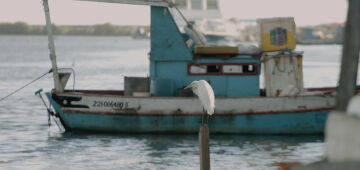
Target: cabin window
pixel 249 69
pixel 196 4
pixel 198 69
pixel 181 4
pixel 213 69
pixel 222 69
pixel 233 69
pixel 212 4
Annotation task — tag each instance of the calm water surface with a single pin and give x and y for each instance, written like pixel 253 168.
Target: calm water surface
pixel 26 141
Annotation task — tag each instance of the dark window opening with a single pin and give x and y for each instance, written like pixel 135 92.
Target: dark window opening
pixel 212 4
pixel 180 4
pixel 249 69
pixel 196 4
pixel 213 69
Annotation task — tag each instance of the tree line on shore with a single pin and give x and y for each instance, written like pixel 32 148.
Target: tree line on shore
pixel 107 29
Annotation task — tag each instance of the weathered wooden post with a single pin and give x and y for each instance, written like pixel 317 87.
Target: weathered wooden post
pixel 207 98
pixel 204 147
pixel 350 57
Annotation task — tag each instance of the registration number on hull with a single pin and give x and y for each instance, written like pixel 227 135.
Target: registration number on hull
pixel 112 104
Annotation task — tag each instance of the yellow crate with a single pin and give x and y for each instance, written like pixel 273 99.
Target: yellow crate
pixel 275 34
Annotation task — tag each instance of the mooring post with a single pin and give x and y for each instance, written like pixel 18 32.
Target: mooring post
pixel 204 147
pixel 350 57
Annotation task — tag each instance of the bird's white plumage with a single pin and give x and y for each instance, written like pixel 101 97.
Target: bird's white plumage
pixel 205 93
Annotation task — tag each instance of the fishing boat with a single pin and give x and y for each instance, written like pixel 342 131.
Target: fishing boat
pixel 159 103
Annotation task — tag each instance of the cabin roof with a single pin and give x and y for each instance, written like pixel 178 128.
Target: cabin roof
pixel 161 3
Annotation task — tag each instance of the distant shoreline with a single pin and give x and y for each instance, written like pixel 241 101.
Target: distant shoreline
pixel 107 29
pixel 24 35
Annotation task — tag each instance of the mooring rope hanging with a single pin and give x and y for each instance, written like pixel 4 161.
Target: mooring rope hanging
pixel 17 90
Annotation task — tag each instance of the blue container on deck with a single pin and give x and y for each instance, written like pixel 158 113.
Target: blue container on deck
pixel 162 87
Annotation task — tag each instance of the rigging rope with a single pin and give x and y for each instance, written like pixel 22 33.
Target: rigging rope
pixel 12 93
pixel 188 24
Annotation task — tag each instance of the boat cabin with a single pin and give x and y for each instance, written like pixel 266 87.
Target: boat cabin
pixel 178 58
pixel 179 55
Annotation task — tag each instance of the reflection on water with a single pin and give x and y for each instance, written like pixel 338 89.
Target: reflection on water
pixel 26 142
pixel 181 151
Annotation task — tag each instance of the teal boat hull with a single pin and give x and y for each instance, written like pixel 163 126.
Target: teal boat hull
pixel 299 122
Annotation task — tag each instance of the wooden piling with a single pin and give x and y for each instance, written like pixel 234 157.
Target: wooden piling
pixel 204 147
pixel 350 57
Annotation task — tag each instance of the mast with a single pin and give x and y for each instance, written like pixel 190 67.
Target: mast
pixel 160 3
pixel 57 84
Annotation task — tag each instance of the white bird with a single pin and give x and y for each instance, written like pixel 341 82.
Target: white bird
pixel 205 93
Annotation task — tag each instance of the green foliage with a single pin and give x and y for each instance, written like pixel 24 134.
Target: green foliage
pixel 107 29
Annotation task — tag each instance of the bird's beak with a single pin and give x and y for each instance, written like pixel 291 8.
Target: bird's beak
pixel 187 86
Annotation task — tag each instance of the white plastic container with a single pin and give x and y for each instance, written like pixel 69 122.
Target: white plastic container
pixel 282 73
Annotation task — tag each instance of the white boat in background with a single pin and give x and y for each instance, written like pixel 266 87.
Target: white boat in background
pixel 140 33
pixel 206 16
pixel 199 9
